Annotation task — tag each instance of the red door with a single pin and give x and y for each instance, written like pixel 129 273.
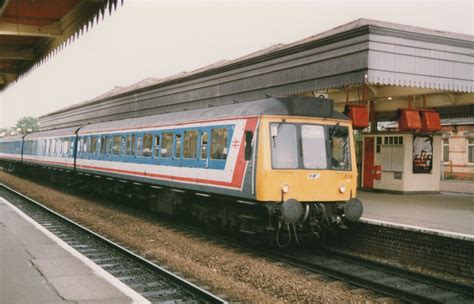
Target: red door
pixel 368 175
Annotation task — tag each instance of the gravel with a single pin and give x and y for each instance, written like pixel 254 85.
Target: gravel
pixel 239 275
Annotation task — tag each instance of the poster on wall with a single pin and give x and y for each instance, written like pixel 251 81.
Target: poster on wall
pixel 422 153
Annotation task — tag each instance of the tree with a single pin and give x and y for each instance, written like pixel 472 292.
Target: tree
pixel 27 124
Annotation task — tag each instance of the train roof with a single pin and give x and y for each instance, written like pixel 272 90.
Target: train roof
pixel 11 138
pixel 294 106
pixel 53 133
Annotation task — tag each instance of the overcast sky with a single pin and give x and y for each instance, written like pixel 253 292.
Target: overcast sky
pixel 158 39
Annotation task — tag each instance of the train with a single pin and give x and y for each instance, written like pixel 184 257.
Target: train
pixel 279 167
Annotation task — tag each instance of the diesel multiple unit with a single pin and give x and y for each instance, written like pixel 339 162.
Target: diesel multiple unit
pixel 284 167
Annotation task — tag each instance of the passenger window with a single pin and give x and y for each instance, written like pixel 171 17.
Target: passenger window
pixel 116 145
pixel 203 145
pixel 103 145
pixel 219 143
pixel 248 145
pixel 139 146
pixel 147 145
pixel 99 145
pixel 167 145
pixel 157 145
pixel 65 146
pixel 93 145
pixel 133 144
pixel 129 145
pixel 107 145
pixel 122 146
pixel 190 144
pixel 178 146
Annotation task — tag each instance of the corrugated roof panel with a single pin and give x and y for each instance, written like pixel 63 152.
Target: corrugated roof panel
pixel 390 54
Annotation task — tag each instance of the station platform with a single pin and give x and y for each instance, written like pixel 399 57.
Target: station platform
pixel 37 267
pixel 446 214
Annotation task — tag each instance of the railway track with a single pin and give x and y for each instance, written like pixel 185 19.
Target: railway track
pixel 153 282
pixel 391 281
pixel 387 280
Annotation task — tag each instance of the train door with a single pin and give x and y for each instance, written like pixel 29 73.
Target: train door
pixel 202 162
pixel 190 148
pixel 368 163
pixel 166 148
pixel 178 148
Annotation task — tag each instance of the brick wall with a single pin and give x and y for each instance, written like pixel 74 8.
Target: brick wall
pixel 457 166
pixel 437 253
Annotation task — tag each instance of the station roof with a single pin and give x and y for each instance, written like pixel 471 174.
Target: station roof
pixel 392 61
pixel 32 31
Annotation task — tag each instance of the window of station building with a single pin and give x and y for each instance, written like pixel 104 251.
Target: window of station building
pixel 178 146
pixel 147 144
pixel 445 149
pixel 470 150
pixel 167 145
pixel 204 138
pixel 139 146
pixel 116 145
pixel 157 145
pixel 93 145
pixel 392 140
pixel 378 144
pixel 190 144
pixel 219 147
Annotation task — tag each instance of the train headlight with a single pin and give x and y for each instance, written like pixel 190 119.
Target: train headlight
pixel 342 189
pixel 285 188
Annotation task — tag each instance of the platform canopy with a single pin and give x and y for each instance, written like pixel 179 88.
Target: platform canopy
pixel 33 30
pixel 389 65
